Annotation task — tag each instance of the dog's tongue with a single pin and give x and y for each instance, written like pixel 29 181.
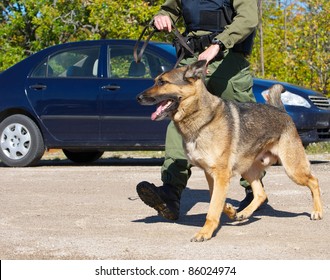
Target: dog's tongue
pixel 160 109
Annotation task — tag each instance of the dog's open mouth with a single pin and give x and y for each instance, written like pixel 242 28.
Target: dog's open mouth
pixel 165 104
pixel 163 109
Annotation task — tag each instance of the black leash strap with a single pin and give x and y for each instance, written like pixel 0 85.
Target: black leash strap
pixel 138 56
pixel 182 39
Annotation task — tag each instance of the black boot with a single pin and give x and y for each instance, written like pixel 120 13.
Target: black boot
pixel 247 200
pixel 165 199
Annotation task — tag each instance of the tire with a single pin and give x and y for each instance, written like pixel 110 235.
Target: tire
pixel 83 156
pixel 21 142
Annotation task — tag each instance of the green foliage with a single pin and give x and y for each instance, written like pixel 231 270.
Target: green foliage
pixel 296 43
pixel 318 148
pixel 296 33
pixel 119 19
pixel 31 25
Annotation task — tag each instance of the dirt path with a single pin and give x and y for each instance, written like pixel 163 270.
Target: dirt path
pixel 61 211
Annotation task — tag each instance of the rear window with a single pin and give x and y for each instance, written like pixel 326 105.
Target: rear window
pixel 75 62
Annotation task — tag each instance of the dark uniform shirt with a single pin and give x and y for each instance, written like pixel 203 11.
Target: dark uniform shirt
pixel 244 23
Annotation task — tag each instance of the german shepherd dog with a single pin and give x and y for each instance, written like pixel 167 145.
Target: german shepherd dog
pixel 226 138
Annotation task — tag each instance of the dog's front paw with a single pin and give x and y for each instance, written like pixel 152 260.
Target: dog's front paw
pixel 201 237
pixel 230 211
pixel 316 215
pixel 241 216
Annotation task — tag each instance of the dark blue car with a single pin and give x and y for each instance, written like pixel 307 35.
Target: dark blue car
pixel 81 97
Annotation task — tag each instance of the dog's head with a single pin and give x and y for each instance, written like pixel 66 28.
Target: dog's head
pixel 172 88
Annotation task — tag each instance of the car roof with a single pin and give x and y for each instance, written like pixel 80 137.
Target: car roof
pixel 166 47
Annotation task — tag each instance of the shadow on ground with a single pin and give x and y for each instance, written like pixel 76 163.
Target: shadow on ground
pixel 191 197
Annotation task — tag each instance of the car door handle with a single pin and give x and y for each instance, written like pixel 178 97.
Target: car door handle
pixel 111 87
pixel 38 87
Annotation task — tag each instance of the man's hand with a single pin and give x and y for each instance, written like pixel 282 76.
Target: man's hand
pixel 163 23
pixel 210 53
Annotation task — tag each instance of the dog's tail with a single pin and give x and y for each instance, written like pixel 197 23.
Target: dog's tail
pixel 273 97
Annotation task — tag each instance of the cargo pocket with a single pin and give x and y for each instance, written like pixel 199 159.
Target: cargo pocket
pixel 242 86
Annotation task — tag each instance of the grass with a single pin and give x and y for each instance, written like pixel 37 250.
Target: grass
pixel 318 148
pixel 134 154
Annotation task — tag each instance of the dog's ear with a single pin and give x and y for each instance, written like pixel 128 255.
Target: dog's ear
pixel 196 70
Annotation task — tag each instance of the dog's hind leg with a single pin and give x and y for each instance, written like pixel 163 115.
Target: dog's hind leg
pixel 220 180
pixel 259 196
pixel 297 166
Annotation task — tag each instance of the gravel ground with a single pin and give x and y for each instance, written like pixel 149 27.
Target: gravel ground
pixel 59 210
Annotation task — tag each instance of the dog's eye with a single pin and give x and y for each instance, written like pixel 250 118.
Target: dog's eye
pixel 161 82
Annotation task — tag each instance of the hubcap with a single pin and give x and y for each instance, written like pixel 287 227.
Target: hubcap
pixel 15 141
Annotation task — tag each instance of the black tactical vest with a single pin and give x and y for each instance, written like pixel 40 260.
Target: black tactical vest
pixel 207 15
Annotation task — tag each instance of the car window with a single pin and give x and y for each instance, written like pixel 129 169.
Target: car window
pixel 77 62
pixel 121 64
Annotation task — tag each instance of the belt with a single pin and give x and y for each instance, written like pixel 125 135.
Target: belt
pixel 201 43
pixel 197 44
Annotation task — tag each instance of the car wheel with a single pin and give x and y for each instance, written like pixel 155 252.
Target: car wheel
pixel 21 142
pixel 82 156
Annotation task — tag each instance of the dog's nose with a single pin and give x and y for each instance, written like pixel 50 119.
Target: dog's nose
pixel 139 98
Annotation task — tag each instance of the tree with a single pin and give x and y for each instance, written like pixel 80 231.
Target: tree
pixel 29 26
pixel 312 45
pixel 295 43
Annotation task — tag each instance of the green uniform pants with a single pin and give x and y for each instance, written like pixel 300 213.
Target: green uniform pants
pixel 230 79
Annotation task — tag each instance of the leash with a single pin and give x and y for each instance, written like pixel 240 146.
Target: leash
pixel 138 55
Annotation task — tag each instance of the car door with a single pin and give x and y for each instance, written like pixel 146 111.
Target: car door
pixel 124 120
pixel 64 91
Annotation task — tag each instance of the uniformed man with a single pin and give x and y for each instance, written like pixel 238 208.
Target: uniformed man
pixel 221 32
